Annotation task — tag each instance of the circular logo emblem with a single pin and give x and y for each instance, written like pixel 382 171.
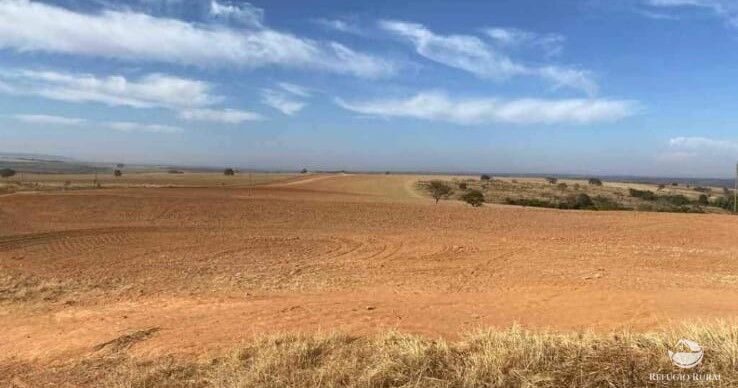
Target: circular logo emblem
pixel 689 359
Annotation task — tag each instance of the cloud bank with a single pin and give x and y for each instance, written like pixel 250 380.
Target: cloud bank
pixel 126 35
pixel 123 126
pixel 472 54
pixel 438 106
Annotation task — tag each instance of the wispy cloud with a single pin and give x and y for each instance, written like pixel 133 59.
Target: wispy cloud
pixel 242 13
pixel 703 143
pixel 464 52
pixel 192 99
pixel 437 106
pixel 48 119
pixel 551 44
pixel 227 116
pixel 725 9
pixel 52 120
pixel 341 25
pixel 684 149
pixel 281 101
pixel 472 54
pixel 127 35
pixel 657 15
pixel 295 89
pixel 138 127
pixel 152 90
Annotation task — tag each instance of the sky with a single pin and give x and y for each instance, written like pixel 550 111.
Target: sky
pixel 611 87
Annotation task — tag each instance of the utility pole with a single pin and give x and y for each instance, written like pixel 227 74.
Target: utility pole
pixel 735 191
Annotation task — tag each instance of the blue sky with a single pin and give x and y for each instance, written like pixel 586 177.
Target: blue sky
pixel 630 87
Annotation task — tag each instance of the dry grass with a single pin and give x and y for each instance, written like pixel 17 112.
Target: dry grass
pixel 22 290
pixel 509 358
pixel 63 182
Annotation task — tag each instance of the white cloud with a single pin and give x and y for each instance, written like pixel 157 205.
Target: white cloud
pixel 51 120
pixel 657 15
pixel 566 77
pixel 703 143
pixel 189 97
pixel 725 9
pixel 153 90
pixel 437 106
pixel 340 25
pixel 228 116
pixel 125 35
pixel 281 101
pixel 138 127
pixel 48 119
pixel 464 52
pixel 471 54
pixel 551 44
pixel 295 89
pixel 243 13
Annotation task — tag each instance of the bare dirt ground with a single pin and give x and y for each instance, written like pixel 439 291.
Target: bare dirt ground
pixel 209 267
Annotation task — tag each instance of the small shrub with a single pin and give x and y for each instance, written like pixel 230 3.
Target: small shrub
pixel 229 172
pixel 562 186
pixel 704 200
pixel 605 203
pixel 723 202
pixel 579 201
pixel 463 185
pixel 642 194
pixel 485 177
pixel 661 187
pixel 595 182
pixel 7 172
pixel 175 172
pixel 551 180
pixel 439 189
pixel 118 173
pixel 532 202
pixel 675 200
pixel 304 171
pixel 473 197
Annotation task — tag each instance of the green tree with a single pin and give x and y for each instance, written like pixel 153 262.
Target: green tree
pixel 439 190
pixel 7 172
pixel 473 197
pixel 703 200
pixel 229 172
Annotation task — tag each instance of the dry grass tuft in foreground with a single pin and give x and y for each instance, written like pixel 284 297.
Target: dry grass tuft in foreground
pixel 510 358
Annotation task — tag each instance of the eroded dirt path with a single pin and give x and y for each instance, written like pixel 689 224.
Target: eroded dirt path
pixel 358 253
